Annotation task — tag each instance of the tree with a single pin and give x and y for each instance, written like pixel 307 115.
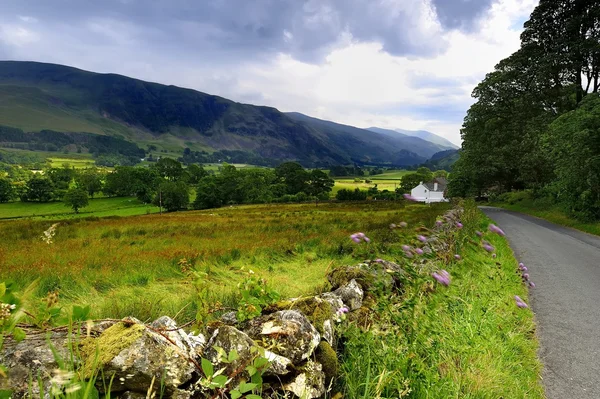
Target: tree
pixel 195 173
pixel 440 173
pixel 425 173
pixel 90 180
pixel 573 143
pixel 409 181
pixel 169 169
pixel 173 196
pixel 121 182
pixel 208 194
pixel 38 189
pixel 293 175
pixel 351 195
pixel 7 191
pixel 319 183
pixel 76 198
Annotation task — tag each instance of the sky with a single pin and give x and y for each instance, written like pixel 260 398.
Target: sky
pixel 406 64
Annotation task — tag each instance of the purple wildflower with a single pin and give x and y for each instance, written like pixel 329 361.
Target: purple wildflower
pixel 488 247
pixel 479 233
pixel 443 277
pixel 494 256
pixel 459 225
pixel 524 269
pixel 343 309
pixel 495 229
pixel 355 239
pixel 439 223
pixel 526 276
pixel 531 284
pixel 419 251
pixel 409 197
pixel 379 260
pixel 367 239
pixel 408 254
pixel 422 238
pixel 358 237
pixel 457 257
pixel 406 248
pixel 520 302
pixel 403 224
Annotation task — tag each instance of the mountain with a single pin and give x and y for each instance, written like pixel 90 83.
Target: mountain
pixel 442 160
pixel 422 134
pixel 38 97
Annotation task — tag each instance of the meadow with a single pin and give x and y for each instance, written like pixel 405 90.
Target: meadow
pixel 139 265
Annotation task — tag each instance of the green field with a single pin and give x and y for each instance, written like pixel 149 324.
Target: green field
pixel 391 174
pixel 350 184
pixel 99 207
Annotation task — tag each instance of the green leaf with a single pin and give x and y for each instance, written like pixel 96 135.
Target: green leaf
pixel 207 368
pixel 246 387
pixel 220 381
pixel 251 370
pixel 2 289
pixel 18 334
pixel 257 379
pixel 5 394
pixel 252 396
pixel 260 362
pixel 81 313
pixel 235 394
pixel 233 355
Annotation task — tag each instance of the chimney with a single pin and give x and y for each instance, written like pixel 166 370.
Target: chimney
pixel 421 183
pixel 435 186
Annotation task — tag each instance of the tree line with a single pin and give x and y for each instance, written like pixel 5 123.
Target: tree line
pixel 536 121
pixel 168 184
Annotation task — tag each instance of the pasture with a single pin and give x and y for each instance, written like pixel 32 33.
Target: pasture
pixel 98 207
pixel 350 184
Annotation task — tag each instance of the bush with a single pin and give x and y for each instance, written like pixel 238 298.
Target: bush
pixel 351 195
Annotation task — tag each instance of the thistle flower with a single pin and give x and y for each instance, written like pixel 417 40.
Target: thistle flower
pixel 359 237
pixel 520 302
pixel 439 223
pixel 343 310
pixel 409 197
pixel 406 248
pixel 403 224
pixel 408 254
pixel 531 284
pixel 422 238
pixel 419 251
pixel 524 269
pixel 495 229
pixel 479 233
pixel 459 225
pixel 443 277
pixel 526 276
pixel 457 257
pixel 488 247
pixel 378 260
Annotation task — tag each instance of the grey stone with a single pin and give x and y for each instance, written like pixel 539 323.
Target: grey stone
pixel 287 333
pixel 351 294
pixel 309 383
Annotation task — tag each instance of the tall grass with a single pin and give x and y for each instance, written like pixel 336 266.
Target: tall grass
pixel 468 340
pixel 142 266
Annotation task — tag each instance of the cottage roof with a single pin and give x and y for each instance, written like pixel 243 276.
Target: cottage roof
pixel 442 184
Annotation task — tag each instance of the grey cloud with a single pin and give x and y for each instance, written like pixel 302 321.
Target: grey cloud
pixel 253 28
pixel 460 13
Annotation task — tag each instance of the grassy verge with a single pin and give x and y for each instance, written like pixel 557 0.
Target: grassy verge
pixel 142 266
pixel 550 212
pixel 467 340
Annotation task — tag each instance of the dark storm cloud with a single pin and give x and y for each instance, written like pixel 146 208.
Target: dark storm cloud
pixel 306 29
pixel 460 13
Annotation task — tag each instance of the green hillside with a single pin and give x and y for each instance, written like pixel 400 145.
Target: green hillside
pixel 36 96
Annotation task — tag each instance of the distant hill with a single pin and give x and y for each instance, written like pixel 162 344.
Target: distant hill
pixel 37 96
pixel 422 134
pixel 443 160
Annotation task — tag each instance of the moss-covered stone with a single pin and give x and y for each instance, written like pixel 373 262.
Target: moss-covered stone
pixel 97 352
pixel 326 355
pixel 371 277
pixel 316 310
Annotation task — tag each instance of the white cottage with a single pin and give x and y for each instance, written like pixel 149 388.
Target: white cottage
pixel 431 191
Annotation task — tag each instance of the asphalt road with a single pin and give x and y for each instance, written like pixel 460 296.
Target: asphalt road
pixel 565 266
